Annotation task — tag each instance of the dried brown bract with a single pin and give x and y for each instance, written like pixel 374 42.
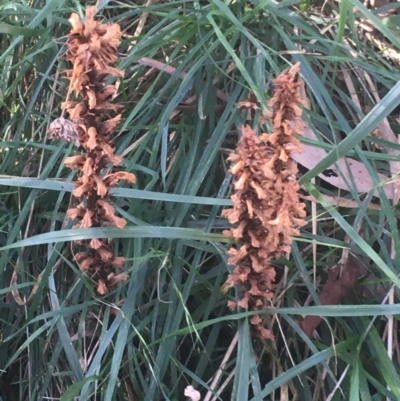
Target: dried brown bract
pixel 266 207
pixel 92 50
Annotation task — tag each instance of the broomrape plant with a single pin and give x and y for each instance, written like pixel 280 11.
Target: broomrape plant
pixel 92 48
pixel 266 203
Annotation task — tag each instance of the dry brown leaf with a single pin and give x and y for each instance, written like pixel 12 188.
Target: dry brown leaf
pixel 341 280
pixel 352 171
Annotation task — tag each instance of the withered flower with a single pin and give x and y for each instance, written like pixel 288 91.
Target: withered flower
pixel 75 162
pixel 266 207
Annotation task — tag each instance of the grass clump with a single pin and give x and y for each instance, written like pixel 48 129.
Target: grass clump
pixel 186 67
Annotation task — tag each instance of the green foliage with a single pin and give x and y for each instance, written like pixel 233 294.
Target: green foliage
pixel 174 328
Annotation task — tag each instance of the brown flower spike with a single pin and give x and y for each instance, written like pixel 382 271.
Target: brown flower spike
pixel 92 49
pixel 266 205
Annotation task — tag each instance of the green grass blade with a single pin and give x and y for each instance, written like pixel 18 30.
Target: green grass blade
pixel 112 232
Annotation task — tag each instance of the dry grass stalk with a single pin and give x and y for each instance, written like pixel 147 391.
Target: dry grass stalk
pixel 267 209
pixel 92 49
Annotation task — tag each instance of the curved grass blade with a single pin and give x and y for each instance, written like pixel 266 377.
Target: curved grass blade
pixel 58 185
pixel 19 30
pixel 307 364
pixel 112 232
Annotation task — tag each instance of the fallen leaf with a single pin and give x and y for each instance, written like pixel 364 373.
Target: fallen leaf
pixel 341 279
pixel 344 173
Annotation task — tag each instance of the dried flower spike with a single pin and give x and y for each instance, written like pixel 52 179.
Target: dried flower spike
pixel 266 205
pixel 92 50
